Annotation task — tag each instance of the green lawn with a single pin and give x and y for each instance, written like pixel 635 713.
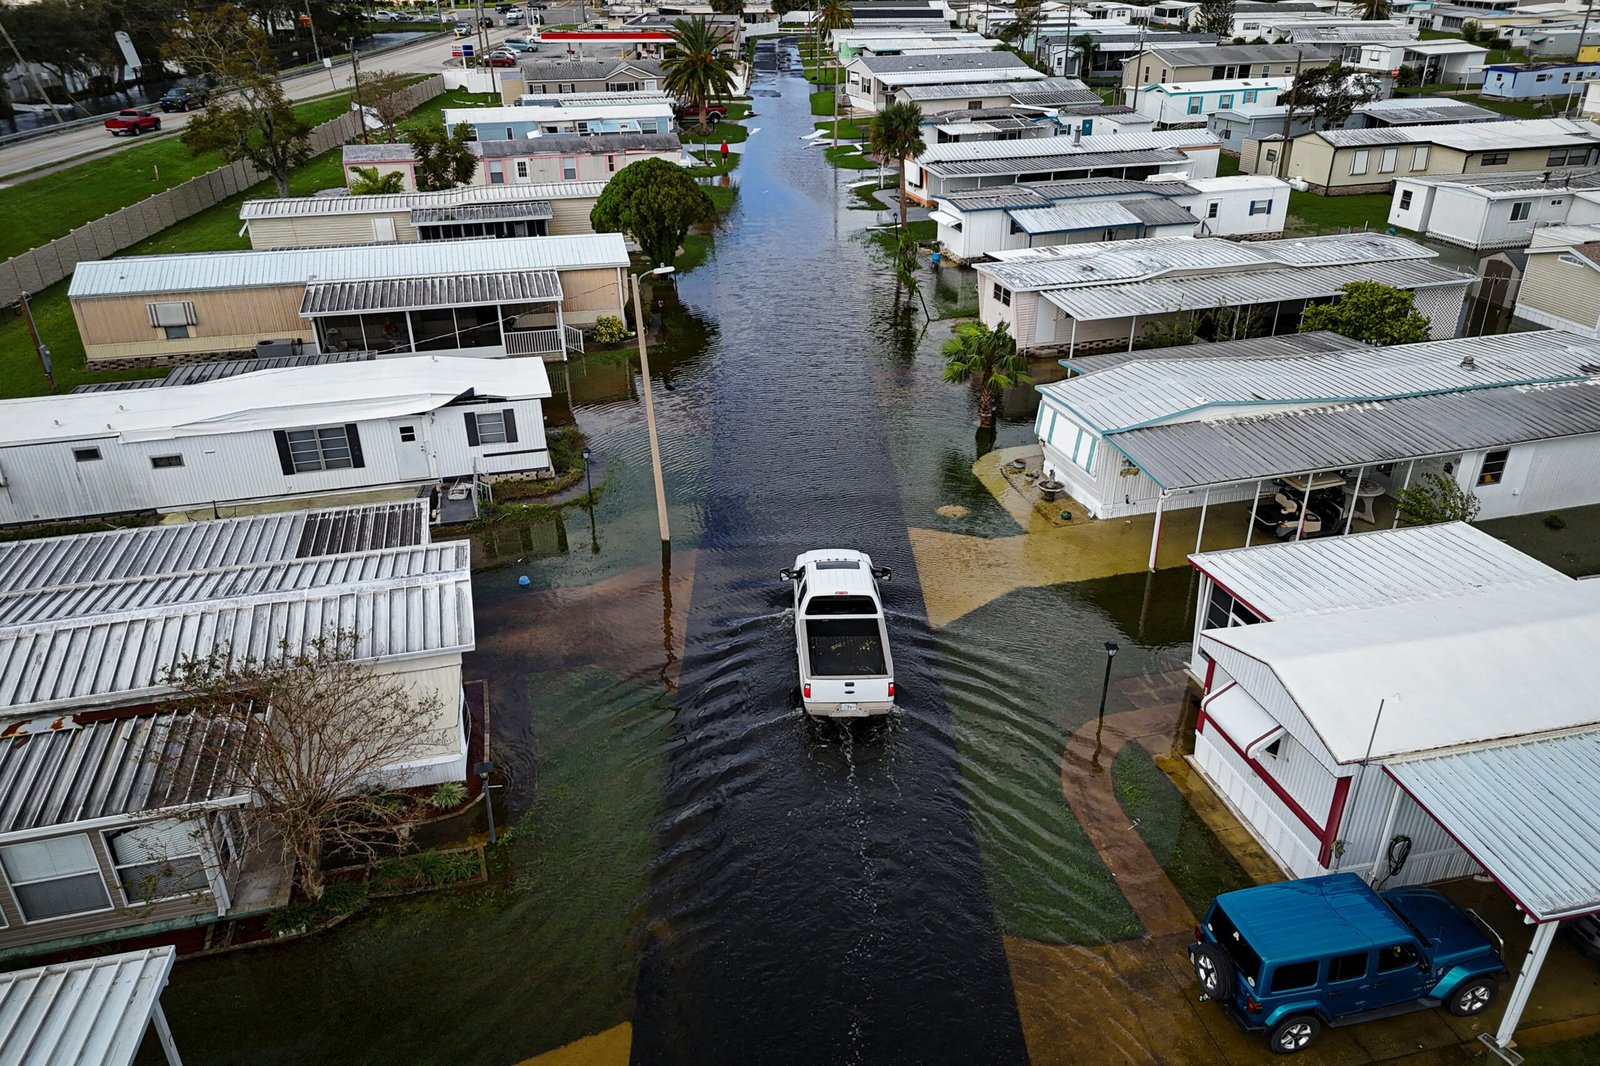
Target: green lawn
pixel 846 157
pixel 1516 108
pixel 1227 165
pixel 1312 214
pixel 51 206
pixel 434 109
pixel 822 104
pixel 849 129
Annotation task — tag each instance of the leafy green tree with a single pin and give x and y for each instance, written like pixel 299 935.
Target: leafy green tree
pixel 989 360
pixel 368 182
pixel 1329 94
pixel 1372 312
pixel 895 134
pixel 1372 10
pixel 1087 47
pixel 444 159
pixel 654 202
pixel 728 7
pixel 1025 18
pixel 380 94
pixel 698 70
pixel 1436 498
pixel 1212 16
pixel 250 117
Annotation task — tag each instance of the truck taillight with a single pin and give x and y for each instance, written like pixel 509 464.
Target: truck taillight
pixel 1199 931
pixel 891 690
pixel 806 692
pixel 1251 1005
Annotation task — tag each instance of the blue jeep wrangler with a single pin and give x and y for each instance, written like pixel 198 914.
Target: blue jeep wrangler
pixel 1287 959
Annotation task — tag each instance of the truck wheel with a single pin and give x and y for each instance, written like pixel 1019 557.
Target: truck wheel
pixel 1472 997
pixel 1294 1033
pixel 713 118
pixel 1214 970
pixel 133 131
pixel 157 126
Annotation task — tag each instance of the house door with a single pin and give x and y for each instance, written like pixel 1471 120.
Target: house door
pixel 412 461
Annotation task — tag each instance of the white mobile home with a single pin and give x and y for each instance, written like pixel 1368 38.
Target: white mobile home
pixel 937 97
pixel 968 165
pixel 1193 103
pixel 872 82
pixel 525 121
pixel 1480 210
pixel 272 434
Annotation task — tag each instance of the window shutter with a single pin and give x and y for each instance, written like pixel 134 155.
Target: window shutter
pixel 511 425
pixel 353 434
pixel 285 459
pixel 472 430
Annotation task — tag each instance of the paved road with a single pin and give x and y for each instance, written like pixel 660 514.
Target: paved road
pixel 428 56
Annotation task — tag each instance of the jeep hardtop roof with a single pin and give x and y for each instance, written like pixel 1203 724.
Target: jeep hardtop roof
pixel 1335 914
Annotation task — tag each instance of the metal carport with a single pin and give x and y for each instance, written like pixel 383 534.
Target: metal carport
pixel 1525 811
pixel 89 1011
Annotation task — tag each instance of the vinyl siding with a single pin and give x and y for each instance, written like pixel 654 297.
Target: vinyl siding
pixel 1569 292
pixel 119 326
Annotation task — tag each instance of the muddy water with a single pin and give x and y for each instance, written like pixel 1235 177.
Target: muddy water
pixel 691 854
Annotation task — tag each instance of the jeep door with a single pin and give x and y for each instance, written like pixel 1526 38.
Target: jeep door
pixel 1398 975
pixel 1348 990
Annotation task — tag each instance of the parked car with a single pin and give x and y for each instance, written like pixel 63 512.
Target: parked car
pixel 463 30
pixel 513 18
pixel 1289 958
pixel 134 121
pixel 184 98
pixel 688 114
pixel 500 57
pixel 486 23
pixel 520 44
pixel 840 637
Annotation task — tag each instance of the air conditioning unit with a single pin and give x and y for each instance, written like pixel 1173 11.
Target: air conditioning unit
pixel 276 349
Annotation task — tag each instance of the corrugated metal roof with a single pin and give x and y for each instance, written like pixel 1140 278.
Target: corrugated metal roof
pixel 1292 578
pixel 1284 346
pixel 90 1011
pixel 273 399
pixel 1426 664
pixel 1216 85
pixel 198 272
pixel 1034 96
pixel 1557 179
pixel 528 210
pixel 1222 55
pixel 944 63
pixel 1352 33
pixel 465 290
pixel 1085 187
pixel 993 199
pixel 966 151
pixel 1524 810
pixel 562 110
pixel 1139 394
pixel 1157 211
pixel 1070 217
pixel 195 373
pixel 388 203
pixel 85 771
pixel 578 144
pixel 1194 454
pixel 575 70
pixel 1052 164
pixel 1154 296
pixel 954 91
pixel 1473 136
pixel 123 554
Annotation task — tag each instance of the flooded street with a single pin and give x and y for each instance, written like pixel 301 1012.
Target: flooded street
pixel 697 872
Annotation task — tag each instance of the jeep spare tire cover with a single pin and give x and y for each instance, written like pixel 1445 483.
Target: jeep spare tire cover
pixel 1213 969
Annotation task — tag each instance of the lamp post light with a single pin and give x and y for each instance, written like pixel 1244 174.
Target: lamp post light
pixel 1111 653
pixel 588 481
pixel 483 770
pixel 650 408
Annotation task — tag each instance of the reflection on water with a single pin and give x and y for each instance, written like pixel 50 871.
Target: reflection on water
pixel 519 540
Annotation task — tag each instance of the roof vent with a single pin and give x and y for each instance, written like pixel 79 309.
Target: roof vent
pixel 1469 363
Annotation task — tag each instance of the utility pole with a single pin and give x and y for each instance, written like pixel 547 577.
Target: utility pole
pixel 1288 117
pixel 38 345
pixel 355 75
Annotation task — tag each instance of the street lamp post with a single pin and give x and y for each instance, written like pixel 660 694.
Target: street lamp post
pixel 483 770
pixel 1111 653
pixel 650 407
pixel 588 482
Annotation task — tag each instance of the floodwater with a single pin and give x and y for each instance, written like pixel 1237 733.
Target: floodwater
pixel 691 854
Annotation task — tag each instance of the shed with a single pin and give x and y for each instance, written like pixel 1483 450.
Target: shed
pixel 87 1011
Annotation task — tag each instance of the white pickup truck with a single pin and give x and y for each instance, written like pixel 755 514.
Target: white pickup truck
pixel 843 646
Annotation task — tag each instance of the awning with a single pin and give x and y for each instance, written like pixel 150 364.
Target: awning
pixel 1525 811
pixel 416 294
pixel 526 211
pixel 93 1010
pixel 944 219
pixel 1244 720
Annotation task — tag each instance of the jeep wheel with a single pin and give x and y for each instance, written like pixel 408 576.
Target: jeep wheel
pixel 1472 997
pixel 1294 1033
pixel 1213 969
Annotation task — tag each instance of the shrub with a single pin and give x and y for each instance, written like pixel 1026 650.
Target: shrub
pixel 1554 522
pixel 609 329
pixel 340 897
pixel 1436 499
pixel 426 869
pixel 447 795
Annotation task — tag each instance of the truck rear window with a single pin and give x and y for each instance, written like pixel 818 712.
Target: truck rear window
pixel 835 605
pixel 1243 955
pixel 845 647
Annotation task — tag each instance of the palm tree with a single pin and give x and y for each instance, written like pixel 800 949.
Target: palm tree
pixel 1372 10
pixel 988 358
pixel 896 133
pixel 1086 46
pixel 696 71
pixel 833 15
pixel 367 181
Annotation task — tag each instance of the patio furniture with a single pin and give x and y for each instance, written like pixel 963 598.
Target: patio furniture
pixel 1365 492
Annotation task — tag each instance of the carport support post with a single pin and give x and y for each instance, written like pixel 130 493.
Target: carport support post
pixel 1355 499
pixel 1133 330
pixel 1072 345
pixel 1305 506
pixel 1200 534
pixel 1155 533
pixel 1406 484
pixel 1542 935
pixel 1255 505
pixel 158 1019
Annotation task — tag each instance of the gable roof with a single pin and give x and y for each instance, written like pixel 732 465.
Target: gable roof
pixel 573 70
pixel 465 195
pixel 1473 136
pixel 1224 54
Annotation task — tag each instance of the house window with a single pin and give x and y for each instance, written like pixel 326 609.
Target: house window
pixel 160 860
pixel 1272 155
pixel 569 168
pixel 1223 611
pixel 1261 207
pixel 611 164
pixel 1521 210
pixel 175 333
pixel 1569 259
pixel 567 87
pixel 1225 100
pixel 1558 158
pixel 85 455
pixel 497 172
pixel 408 434
pixel 1405 200
pixel 1496 159
pixel 522 170
pixel 1419 157
pixel 1213 208
pixel 1194 105
pixel 166 462
pixel 974 105
pixel 1016 227
pixel 304 451
pixel 1386 160
pixel 1358 162
pixel 1250 96
pixel 55 877
pixel 1494 467
pixel 491 427
pixel 1002 294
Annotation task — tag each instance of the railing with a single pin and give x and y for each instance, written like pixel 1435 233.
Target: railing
pixel 574 339
pixel 534 342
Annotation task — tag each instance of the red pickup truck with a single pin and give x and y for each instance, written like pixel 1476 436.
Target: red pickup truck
pixel 715 113
pixel 134 121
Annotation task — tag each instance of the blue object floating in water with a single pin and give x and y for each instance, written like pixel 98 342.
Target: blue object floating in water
pixel 523 581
